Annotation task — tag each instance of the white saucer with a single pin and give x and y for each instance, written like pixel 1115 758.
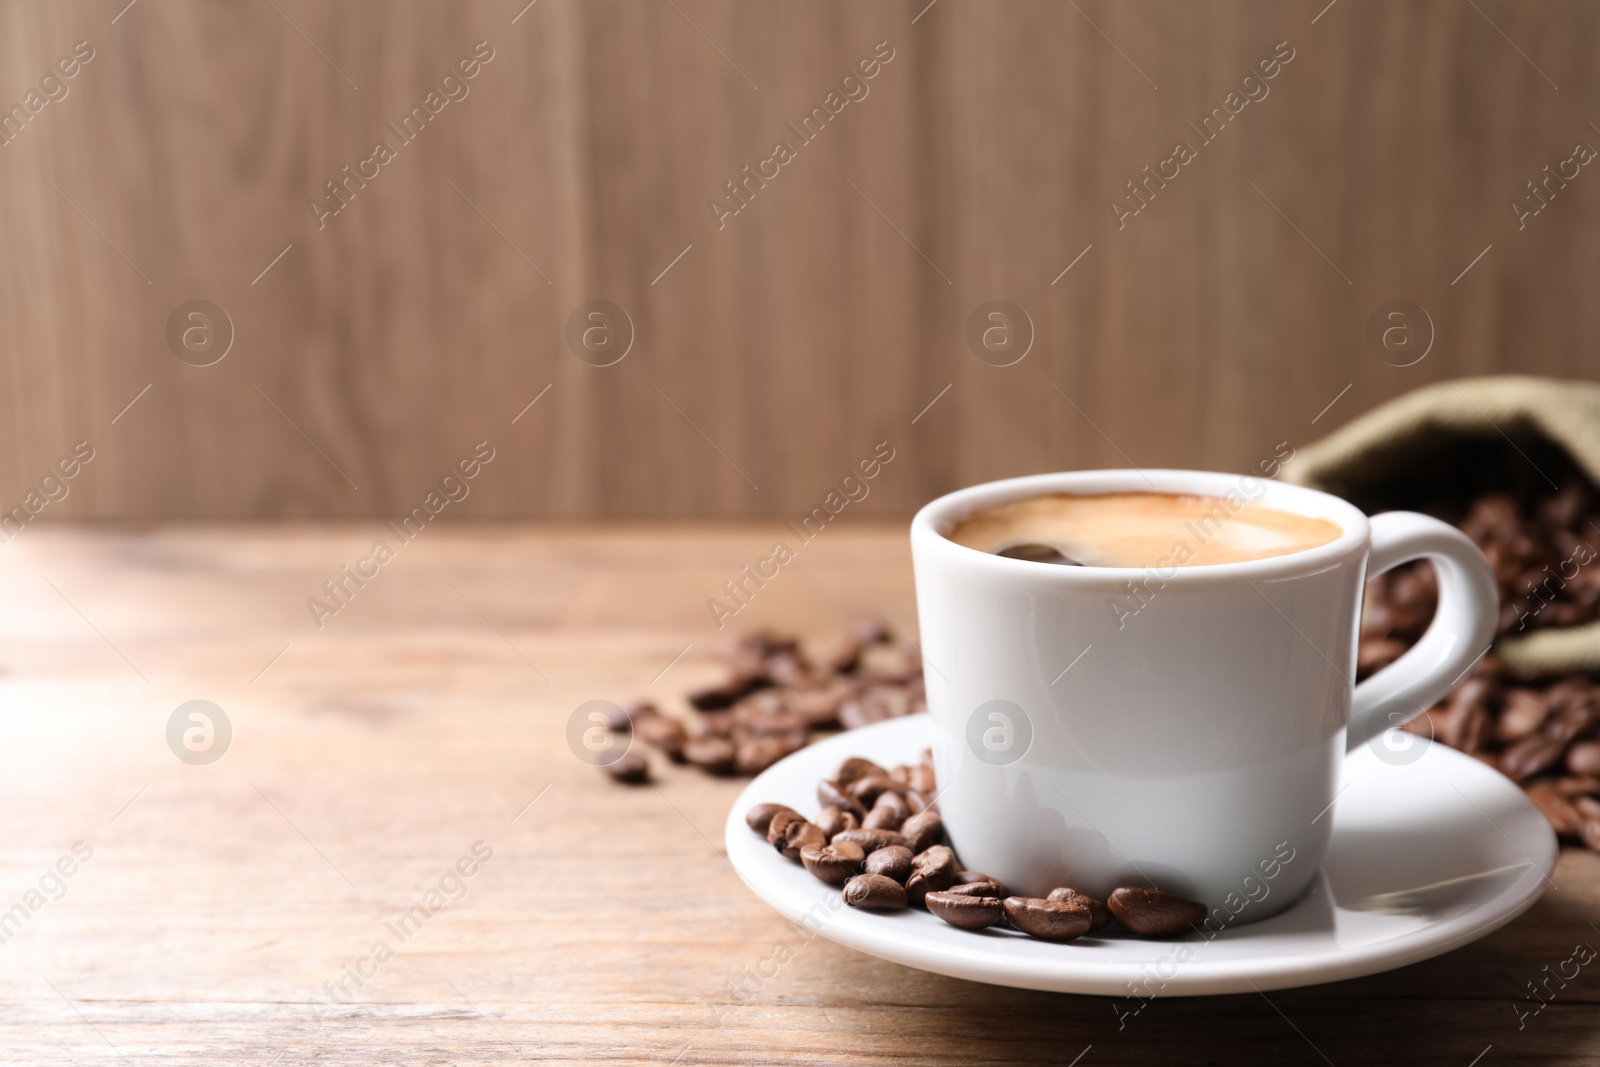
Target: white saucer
pixel 1426 856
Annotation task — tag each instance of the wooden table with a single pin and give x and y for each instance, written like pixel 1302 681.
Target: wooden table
pixel 428 715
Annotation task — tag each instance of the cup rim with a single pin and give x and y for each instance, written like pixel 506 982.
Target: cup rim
pixel 931 521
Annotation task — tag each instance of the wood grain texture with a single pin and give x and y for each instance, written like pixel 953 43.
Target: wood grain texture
pixel 607 926
pixel 830 311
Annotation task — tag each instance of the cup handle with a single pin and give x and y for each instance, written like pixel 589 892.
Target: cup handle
pixel 1463 625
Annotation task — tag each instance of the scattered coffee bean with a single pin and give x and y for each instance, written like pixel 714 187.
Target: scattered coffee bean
pixel 891 861
pixel 834 864
pixel 875 892
pixel 630 769
pixel 819 705
pixel 1099 914
pixel 1524 712
pixel 856 768
pixel 964 911
pixel 871 840
pixel 1050 920
pixel 979 886
pixel 798 836
pixel 755 754
pixel 1584 758
pixel 869 632
pixel 921 779
pixel 1529 756
pixel 664 733
pixel 931 870
pixel 774 689
pixel 1560 813
pixel 715 755
pixel 717 697
pixel 778 822
pixel 834 820
pixel 759 817
pixel 923 830
pixel 1574 787
pixel 1152 913
pixel 964 875
pixel 621 719
pixel 867 790
pixel 887 813
pixel 829 794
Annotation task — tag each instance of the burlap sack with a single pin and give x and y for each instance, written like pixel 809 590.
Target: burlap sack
pixel 1458 438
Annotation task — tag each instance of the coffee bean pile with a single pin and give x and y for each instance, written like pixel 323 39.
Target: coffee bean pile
pixel 1539 728
pixel 776 698
pixel 879 837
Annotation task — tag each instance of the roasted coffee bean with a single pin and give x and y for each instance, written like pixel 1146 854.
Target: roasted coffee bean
pixel 979 886
pixel 729 693
pixel 833 820
pixel 630 769
pixel 869 632
pixel 874 704
pixel 760 816
pixel 666 734
pixel 867 790
pixel 778 822
pixel 1584 758
pixel 714 755
pixel 923 830
pixel 716 724
pixel 819 706
pixel 787 669
pixel 764 718
pixel 830 795
pixel 1152 913
pixel 872 840
pixel 891 861
pixel 843 657
pixel 931 871
pixel 1049 920
pixel 1099 914
pixel 834 864
pixel 875 892
pixel 1464 711
pixel 887 813
pixel 1588 807
pixel 965 911
pixel 1573 787
pixel 798 836
pixel 1589 834
pixel 1529 756
pixel 1558 811
pixel 1375 653
pixel 916 802
pixel 755 754
pixel 921 779
pixel 856 767
pixel 621 719
pixel 1523 713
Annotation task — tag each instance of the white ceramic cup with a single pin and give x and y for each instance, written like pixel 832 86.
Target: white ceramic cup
pixel 1183 728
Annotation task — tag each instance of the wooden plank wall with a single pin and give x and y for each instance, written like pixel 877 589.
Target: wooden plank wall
pixel 774 348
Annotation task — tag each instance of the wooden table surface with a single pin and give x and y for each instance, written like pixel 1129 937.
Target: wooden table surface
pixel 605 924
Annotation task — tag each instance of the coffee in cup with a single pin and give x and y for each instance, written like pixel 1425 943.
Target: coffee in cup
pixel 1139 530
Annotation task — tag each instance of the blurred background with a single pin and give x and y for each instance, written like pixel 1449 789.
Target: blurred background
pixel 581 243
